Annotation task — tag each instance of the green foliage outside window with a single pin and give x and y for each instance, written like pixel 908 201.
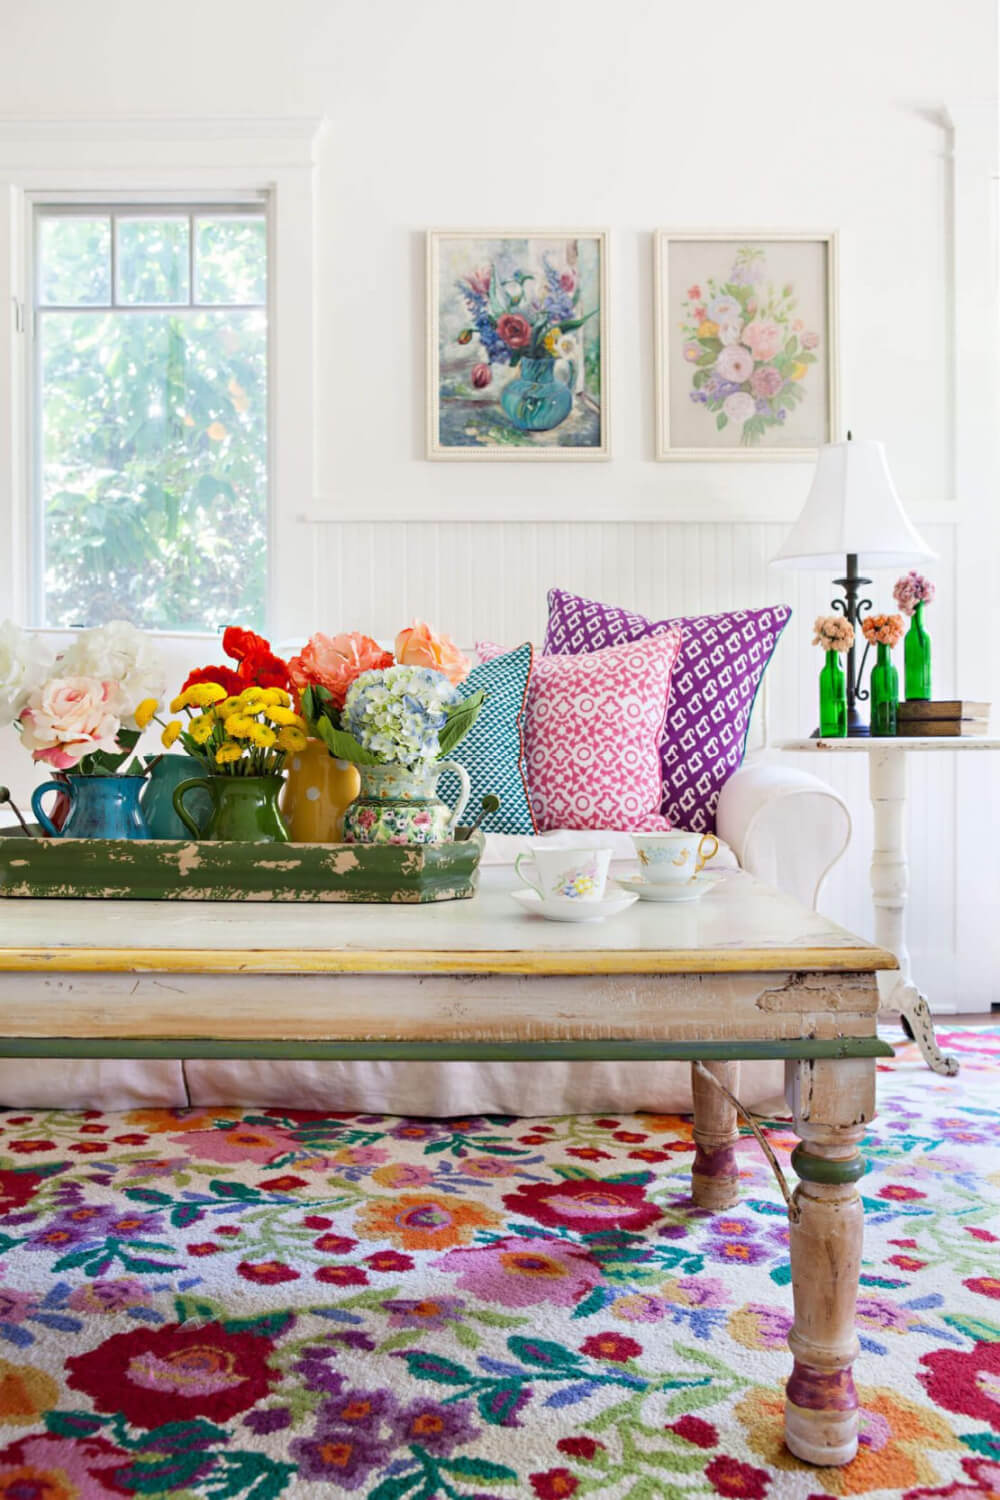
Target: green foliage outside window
pixel 153 421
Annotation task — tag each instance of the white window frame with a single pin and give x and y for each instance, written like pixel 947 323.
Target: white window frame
pixel 177 160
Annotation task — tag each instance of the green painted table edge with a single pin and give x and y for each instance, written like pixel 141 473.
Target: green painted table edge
pixel 205 870
pixel 630 1050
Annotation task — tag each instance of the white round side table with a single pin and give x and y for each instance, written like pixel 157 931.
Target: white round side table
pixel 889 876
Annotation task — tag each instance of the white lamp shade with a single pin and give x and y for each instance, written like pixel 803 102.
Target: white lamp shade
pixel 852 507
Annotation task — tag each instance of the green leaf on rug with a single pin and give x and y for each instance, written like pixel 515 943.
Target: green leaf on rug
pixel 976 1328
pixel 499 1402
pixel 476 1468
pixel 433 1367
pixel 395 1486
pixel 74 1424
pixel 269 1326
pixel 983 1442
pixel 544 1353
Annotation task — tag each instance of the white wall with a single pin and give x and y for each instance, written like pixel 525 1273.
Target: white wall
pixel 872 118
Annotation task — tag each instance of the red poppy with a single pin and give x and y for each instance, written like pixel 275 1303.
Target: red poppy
pixel 579 1447
pixel 334 1244
pixel 737 1480
pixel 284 1184
pixel 224 676
pixel 516 334
pixel 158 1375
pixel 239 643
pixel 694 1430
pixel 588 1206
pixel 263 669
pixel 342 1275
pixel 613 1346
pixel 17 1189
pixel 266 1272
pixel 389 1260
pixel 553 1484
pixel 965 1382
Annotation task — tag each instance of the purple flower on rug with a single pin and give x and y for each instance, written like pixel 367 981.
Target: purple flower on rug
pixel 523 1272
pixel 758 1327
pixel 714 685
pixel 76 1226
pixel 736 1252
pixel 269 1419
pixel 438 1428
pixel 355 1434
pixel 425 1312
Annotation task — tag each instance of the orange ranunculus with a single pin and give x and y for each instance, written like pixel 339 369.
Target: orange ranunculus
pixel 335 661
pixel 421 646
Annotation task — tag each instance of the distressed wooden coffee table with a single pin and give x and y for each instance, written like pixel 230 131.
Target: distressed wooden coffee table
pixel 745 973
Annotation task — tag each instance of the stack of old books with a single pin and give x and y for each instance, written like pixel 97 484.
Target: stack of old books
pixel 951 717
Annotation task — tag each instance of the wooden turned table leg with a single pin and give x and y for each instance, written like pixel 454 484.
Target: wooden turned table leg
pixel 826 1225
pixel 715 1178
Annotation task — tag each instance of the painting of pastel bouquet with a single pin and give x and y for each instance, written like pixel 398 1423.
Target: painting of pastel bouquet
pixel 516 344
pixel 748 333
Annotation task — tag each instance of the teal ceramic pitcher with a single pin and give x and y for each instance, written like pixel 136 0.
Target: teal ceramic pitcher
pixel 535 400
pixel 101 807
pixel 166 772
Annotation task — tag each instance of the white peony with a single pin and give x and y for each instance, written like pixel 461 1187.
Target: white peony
pixel 739 407
pixel 118 652
pixel 24 664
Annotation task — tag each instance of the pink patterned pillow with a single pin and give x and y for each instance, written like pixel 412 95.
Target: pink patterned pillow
pixel 592 733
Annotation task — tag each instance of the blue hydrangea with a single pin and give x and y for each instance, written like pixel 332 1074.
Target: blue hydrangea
pixel 397 713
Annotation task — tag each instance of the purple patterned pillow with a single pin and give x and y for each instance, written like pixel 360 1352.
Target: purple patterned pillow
pixel 723 658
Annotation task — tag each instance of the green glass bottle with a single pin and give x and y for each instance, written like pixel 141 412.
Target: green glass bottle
pixel 917 657
pixel 832 699
pixel 884 694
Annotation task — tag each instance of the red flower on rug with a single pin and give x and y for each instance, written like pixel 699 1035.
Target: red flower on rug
pixel 965 1382
pixel 588 1206
pixel 266 1272
pixel 17 1189
pixel 614 1346
pixel 989 1286
pixel 694 1430
pixel 737 1480
pixel 157 1375
pixel 580 1447
pixel 554 1484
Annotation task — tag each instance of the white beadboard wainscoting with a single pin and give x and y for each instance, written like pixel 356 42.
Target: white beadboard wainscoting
pixel 488 580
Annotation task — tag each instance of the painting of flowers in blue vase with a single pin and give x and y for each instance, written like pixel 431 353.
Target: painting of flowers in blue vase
pixel 516 342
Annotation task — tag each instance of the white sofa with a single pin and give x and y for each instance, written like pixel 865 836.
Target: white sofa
pixel 782 825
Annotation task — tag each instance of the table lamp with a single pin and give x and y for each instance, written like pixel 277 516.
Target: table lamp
pixel 852 511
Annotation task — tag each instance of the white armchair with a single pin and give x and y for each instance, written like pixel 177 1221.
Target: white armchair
pixel 784 826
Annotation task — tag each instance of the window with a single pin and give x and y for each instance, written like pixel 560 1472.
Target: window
pixel 150 492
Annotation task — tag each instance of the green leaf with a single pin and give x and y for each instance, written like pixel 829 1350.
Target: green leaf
pixel 791 346
pixel 569 325
pixel 543 1352
pixel 467 1467
pixel 268 1326
pixel 499 1402
pixel 721 421
pixel 459 721
pixel 395 1486
pixel 344 746
pixel 977 1328
pixel 435 1367
pixel 75 1424
pixel 163 1474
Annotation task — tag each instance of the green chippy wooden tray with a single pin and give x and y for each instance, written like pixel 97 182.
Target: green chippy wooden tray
pixel 174 870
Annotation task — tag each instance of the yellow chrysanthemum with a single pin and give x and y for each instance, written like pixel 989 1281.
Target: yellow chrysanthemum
pixel 145 711
pixel 170 733
pixel 263 736
pixel 204 693
pixel 200 729
pixel 291 739
pixel 176 704
pixel 707 329
pixel 227 706
pixel 238 726
pixel 228 751
pixel 279 715
pixel 275 695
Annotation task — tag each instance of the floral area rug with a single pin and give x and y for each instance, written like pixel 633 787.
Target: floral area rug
pixel 222 1303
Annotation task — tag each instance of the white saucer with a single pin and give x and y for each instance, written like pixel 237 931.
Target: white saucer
pixel 561 909
pixel 690 890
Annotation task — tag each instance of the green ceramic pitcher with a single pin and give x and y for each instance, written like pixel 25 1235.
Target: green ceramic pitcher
pixel 244 809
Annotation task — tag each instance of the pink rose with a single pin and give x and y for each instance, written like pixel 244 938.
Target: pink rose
pixel 762 338
pixel 810 340
pixel 420 646
pixel 481 376
pixel 514 330
pixel 335 661
pixel 567 281
pixel 765 381
pixel 694 293
pixel 734 363
pixel 70 717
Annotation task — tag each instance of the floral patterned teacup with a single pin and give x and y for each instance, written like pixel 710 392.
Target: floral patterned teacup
pixel 567 874
pixel 676 857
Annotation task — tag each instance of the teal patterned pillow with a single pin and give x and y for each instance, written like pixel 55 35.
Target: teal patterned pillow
pixel 493 750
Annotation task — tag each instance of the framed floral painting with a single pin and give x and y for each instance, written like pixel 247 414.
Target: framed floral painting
pixel 517 344
pixel 746 344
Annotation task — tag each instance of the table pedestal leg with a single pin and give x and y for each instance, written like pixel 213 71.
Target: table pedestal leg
pixel 826 1221
pixel 715 1178
pixel 890 885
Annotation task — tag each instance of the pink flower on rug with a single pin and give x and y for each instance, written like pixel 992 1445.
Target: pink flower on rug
pixel 259 1143
pixel 48 1467
pixel 523 1272
pixel 587 1206
pixel 758 1327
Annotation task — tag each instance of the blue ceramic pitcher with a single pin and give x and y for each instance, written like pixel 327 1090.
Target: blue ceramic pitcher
pixel 101 807
pixel 166 772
